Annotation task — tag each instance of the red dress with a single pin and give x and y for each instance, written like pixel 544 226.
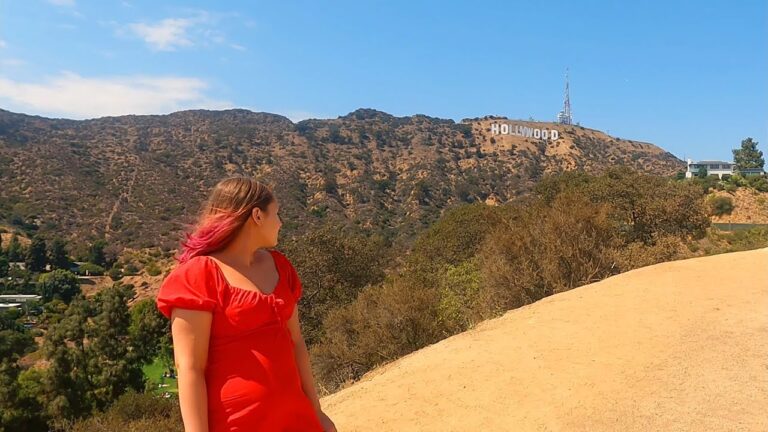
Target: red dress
pixel 252 379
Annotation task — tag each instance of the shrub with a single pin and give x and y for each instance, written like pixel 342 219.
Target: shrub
pixel 134 412
pixel 90 269
pixel 384 323
pixel 639 254
pixel 721 205
pixel 548 248
pixel 152 269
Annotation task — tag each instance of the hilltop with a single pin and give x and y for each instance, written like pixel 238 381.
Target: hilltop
pixel 675 346
pixel 137 180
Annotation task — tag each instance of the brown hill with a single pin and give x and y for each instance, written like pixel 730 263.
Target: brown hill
pixel 677 346
pixel 136 179
pixel 749 206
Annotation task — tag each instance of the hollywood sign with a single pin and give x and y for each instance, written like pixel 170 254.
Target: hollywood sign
pixel 524 131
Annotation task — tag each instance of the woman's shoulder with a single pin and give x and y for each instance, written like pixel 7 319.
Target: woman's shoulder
pixel 197 267
pixel 282 260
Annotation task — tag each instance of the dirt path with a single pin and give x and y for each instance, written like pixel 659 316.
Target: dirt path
pixel 126 194
pixel 679 346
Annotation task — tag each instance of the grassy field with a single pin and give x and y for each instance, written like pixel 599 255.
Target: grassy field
pixel 154 373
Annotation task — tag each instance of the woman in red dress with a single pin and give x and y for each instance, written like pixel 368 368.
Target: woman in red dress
pixel 241 361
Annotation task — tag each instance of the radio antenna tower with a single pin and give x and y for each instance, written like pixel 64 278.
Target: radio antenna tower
pixel 565 115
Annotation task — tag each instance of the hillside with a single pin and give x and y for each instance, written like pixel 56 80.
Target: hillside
pixel 136 180
pixel 749 207
pixel 676 346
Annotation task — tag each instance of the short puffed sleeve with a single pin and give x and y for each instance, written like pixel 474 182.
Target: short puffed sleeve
pixel 293 277
pixel 189 286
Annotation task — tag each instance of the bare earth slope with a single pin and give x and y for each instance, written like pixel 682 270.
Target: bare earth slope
pixel 678 346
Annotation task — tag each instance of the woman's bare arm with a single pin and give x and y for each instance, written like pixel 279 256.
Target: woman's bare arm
pixel 191 331
pixel 305 371
pixel 302 359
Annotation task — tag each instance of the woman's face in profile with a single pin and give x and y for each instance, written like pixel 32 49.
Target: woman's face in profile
pixel 269 229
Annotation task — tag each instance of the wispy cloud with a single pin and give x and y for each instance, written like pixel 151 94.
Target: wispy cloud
pixel 166 35
pixel 198 28
pixel 11 62
pixel 73 96
pixel 3 44
pixel 67 3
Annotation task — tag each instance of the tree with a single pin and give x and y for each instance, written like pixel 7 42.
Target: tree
pixel 702 172
pixel 96 253
pixel 148 327
pixel 334 266
pixel 15 251
pixel 58 284
pixel 18 410
pixel 113 362
pixel 35 258
pixel 748 156
pixel 4 268
pixel 92 361
pixel 58 254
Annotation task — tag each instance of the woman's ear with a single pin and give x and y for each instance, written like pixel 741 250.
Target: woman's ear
pixel 256 215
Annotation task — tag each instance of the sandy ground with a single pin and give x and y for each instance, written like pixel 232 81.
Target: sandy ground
pixel 679 346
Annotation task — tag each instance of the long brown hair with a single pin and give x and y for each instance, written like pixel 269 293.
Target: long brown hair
pixel 227 208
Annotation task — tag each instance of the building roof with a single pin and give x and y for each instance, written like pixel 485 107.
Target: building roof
pixel 711 162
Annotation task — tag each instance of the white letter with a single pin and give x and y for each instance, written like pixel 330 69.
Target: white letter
pixel 495 129
pixel 537 133
pixel 505 129
pixel 527 132
pixel 555 134
pixel 545 134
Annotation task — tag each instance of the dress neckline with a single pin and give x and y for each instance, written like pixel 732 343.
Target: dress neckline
pixel 247 290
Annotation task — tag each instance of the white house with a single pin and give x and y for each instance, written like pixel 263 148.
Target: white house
pixel 717 168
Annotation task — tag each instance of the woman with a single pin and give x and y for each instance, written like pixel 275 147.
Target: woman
pixel 241 360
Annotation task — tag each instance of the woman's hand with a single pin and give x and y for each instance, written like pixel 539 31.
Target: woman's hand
pixel 328 425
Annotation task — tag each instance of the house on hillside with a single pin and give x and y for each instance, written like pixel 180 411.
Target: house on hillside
pixel 719 168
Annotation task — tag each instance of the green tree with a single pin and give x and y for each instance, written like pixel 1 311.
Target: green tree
pixel 148 327
pixel 92 360
pixel 67 381
pixel 4 266
pixel 96 253
pixel 333 266
pixel 702 172
pixel 15 251
pixel 58 254
pixel 113 362
pixel 58 284
pixel 35 258
pixel 748 156
pixel 17 412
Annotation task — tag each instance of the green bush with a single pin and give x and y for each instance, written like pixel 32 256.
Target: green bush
pixel 90 269
pixel 134 412
pixel 115 273
pixel 384 323
pixel 760 183
pixel 721 205
pixel 152 269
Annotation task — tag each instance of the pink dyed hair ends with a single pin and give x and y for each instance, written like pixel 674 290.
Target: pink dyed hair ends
pixel 212 235
pixel 228 207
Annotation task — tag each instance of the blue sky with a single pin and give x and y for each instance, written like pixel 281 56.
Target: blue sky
pixel 689 76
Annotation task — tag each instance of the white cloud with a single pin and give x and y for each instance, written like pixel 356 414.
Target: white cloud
pixel 67 3
pixel 12 62
pixel 166 35
pixel 3 44
pixel 72 96
pixel 195 28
